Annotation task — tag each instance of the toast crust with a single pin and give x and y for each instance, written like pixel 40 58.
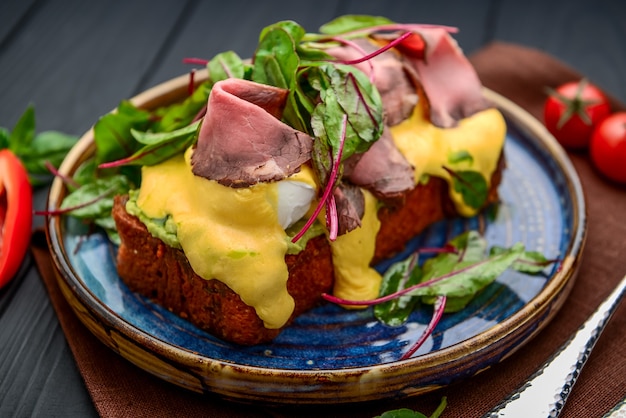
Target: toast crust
pixel 162 273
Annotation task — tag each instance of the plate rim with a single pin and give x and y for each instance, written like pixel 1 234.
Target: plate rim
pixel 544 305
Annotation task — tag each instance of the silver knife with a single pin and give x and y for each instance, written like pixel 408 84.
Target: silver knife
pixel 545 392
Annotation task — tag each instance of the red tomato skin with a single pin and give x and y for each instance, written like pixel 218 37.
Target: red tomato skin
pixel 575 134
pixel 608 147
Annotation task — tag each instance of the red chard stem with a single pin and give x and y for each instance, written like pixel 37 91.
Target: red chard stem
pixel 67 180
pixel 440 306
pixel 379 51
pixel 196 61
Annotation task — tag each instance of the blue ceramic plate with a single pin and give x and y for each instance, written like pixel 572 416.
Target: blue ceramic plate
pixel 334 355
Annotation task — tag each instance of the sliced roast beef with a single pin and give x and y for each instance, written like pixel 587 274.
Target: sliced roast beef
pixel 382 170
pixel 350 204
pixel 386 71
pixel 447 78
pixel 442 72
pixel 242 140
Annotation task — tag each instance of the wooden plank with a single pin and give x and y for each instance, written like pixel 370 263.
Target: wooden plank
pixel 35 361
pixel 472 18
pixel 589 36
pixel 229 29
pixel 13 14
pixel 216 28
pixel 74 60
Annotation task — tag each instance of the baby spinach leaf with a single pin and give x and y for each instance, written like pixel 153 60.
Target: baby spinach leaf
pixel 467 279
pixel 94 193
pixel 460 156
pixel 158 147
pixel 399 276
pixel 226 65
pixel 23 133
pixel 181 114
pixel 471 185
pixel 36 150
pixel 93 202
pixel 462 269
pixel 349 23
pixel 530 262
pixel 47 147
pixel 276 61
pixel 409 413
pixel 112 132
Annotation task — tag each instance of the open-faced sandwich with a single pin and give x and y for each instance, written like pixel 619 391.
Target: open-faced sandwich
pixel 299 170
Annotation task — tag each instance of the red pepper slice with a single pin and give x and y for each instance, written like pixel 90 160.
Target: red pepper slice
pixel 16 198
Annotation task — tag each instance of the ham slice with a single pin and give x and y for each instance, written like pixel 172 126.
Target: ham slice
pixel 242 140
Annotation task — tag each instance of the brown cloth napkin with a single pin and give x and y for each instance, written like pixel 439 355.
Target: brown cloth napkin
pixel 119 389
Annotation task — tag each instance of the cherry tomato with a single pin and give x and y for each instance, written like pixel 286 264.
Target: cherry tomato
pixel 608 147
pixel 572 110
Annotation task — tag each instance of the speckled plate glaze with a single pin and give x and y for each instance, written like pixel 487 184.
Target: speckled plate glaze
pixel 335 355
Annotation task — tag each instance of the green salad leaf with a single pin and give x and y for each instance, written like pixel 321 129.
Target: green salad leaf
pixel 36 151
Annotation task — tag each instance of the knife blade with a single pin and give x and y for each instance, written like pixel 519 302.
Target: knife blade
pixel 544 394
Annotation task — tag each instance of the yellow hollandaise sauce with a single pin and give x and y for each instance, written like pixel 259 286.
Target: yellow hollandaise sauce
pixel 352 254
pixel 232 235
pixel 429 148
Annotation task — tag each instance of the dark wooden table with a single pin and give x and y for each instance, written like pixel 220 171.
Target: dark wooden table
pixel 75 60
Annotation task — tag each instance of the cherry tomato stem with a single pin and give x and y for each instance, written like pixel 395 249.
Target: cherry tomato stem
pixel 17 200
pixel 572 111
